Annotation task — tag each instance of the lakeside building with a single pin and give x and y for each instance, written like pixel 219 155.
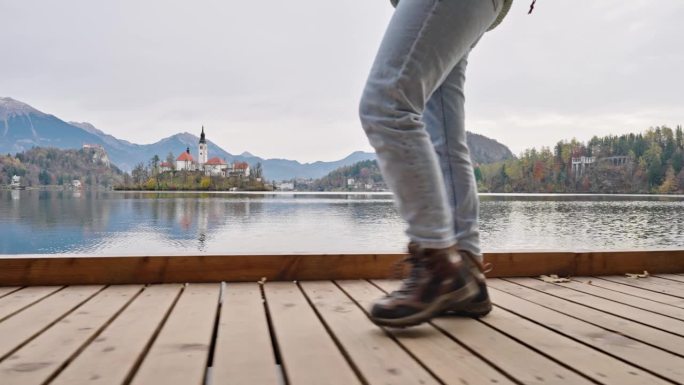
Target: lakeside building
pixel 16 182
pixel 210 167
pixel 581 164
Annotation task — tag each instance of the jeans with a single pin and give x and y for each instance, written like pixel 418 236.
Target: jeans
pixel 412 111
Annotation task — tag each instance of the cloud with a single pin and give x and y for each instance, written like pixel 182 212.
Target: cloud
pixel 282 79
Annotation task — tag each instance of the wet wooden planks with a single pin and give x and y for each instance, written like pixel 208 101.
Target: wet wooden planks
pixel 606 330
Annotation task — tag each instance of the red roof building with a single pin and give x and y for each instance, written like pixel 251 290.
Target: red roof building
pixel 215 161
pixel 185 157
pixel 240 168
pixel 185 161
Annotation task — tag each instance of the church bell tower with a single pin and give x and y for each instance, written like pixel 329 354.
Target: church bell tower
pixel 203 152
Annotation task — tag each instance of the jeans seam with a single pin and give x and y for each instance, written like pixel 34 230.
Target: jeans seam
pixel 448 159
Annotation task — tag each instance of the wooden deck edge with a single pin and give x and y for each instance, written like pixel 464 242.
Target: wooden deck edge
pixel 71 270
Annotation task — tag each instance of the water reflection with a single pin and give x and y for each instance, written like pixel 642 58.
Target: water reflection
pixel 108 223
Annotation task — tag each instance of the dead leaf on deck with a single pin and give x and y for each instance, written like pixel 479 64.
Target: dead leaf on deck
pixel 637 276
pixel 553 278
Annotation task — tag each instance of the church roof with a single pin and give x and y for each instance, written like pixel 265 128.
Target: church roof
pixel 241 165
pixel 202 138
pixel 185 157
pixel 215 161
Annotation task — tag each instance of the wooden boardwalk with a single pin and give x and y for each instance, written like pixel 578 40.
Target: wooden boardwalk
pixel 606 330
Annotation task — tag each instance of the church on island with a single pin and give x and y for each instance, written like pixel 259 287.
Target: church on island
pixel 210 167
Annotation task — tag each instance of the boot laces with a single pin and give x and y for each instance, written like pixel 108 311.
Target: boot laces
pixel 411 282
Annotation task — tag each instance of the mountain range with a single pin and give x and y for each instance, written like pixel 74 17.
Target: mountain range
pixel 23 127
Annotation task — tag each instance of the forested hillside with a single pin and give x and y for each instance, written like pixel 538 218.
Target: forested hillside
pixel 649 162
pixel 364 175
pixel 52 166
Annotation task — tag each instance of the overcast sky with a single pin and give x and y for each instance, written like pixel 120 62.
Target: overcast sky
pixel 283 79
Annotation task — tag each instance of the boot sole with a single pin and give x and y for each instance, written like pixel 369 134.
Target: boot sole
pixel 438 306
pixel 471 310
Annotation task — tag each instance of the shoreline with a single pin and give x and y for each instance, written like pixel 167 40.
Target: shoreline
pixel 377 193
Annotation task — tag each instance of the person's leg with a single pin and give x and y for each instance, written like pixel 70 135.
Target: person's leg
pixel 444 119
pixel 423 43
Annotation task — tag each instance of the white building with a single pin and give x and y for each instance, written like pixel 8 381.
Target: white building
pixel 203 150
pixel 165 166
pixel 215 167
pixel 285 186
pixel 580 164
pixel 185 161
pixel 210 167
pixel 16 181
pixel 239 169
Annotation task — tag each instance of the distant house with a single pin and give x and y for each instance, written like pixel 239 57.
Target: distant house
pixel 581 163
pixel 215 167
pixel 76 184
pixel 165 167
pixel 16 182
pixel 240 169
pixel 185 161
pixel 285 186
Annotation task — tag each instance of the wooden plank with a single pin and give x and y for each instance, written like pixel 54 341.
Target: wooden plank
pixel 244 353
pixel 379 359
pixel 198 268
pixel 519 361
pixel 672 277
pixel 34 270
pixel 308 352
pixel 449 361
pixel 23 298
pixel 40 359
pixel 664 281
pixel 180 352
pixel 650 283
pixel 527 264
pixel 112 356
pixel 590 362
pixel 641 303
pixel 645 356
pixel 633 291
pixel 5 290
pixel 20 328
pixel 635 330
pixel 646 317
pixel 516 359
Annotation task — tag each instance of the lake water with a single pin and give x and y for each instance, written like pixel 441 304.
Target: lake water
pixel 123 223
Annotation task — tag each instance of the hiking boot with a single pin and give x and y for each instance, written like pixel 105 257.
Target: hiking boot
pixel 480 305
pixel 438 280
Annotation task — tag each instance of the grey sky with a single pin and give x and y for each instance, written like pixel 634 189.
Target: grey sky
pixel 283 79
